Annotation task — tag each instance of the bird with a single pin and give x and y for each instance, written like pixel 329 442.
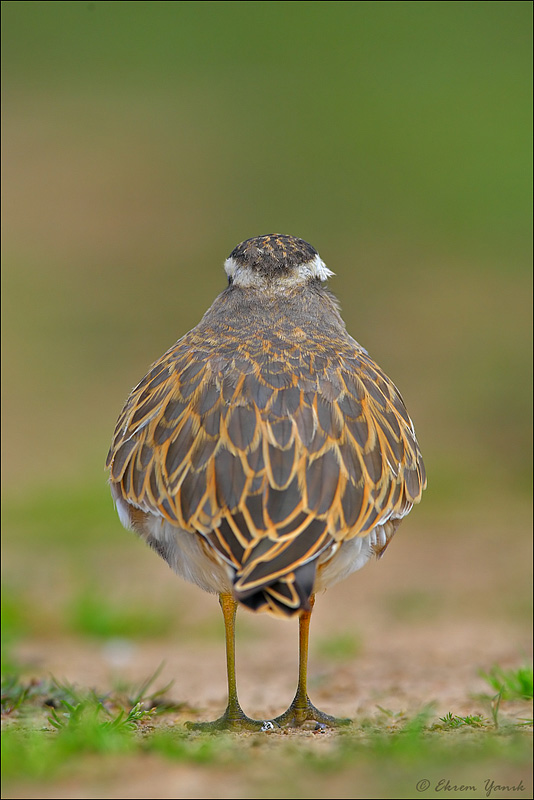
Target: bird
pixel 265 456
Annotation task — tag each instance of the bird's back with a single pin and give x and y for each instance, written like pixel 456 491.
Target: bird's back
pixel 271 436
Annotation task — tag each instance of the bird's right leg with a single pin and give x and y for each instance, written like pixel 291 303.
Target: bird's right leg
pixel 302 712
pixel 234 718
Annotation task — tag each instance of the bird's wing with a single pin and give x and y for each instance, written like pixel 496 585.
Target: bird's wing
pixel 272 457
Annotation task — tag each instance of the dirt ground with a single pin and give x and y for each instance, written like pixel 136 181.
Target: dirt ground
pixel 421 623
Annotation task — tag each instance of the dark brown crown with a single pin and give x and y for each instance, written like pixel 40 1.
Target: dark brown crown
pixel 273 253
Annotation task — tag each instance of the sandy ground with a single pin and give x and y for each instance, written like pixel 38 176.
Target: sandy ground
pixel 425 619
pixel 401 668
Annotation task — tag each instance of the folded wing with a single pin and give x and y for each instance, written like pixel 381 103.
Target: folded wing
pixel 272 457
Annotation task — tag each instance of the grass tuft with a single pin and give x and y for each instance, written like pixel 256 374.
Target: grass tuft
pixel 451 721
pixel 511 684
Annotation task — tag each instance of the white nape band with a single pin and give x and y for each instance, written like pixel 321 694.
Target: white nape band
pixel 242 276
pixel 231 267
pixel 316 268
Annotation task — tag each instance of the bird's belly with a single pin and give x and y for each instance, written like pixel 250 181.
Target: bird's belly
pixel 192 557
pixel 345 557
pixel 188 554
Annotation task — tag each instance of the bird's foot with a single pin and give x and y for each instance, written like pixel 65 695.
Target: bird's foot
pixel 303 714
pixel 235 720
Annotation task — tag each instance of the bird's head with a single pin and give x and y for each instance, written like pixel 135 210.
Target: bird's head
pixel 274 262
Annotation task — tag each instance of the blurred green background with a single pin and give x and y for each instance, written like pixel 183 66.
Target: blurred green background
pixel 141 142
pixel 144 140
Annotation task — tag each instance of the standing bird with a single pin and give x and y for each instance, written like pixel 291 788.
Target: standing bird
pixel 265 456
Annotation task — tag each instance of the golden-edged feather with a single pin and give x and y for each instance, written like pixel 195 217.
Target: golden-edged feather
pixel 271 444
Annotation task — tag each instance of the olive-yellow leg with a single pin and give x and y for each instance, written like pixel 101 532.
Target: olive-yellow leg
pixel 234 718
pixel 301 712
